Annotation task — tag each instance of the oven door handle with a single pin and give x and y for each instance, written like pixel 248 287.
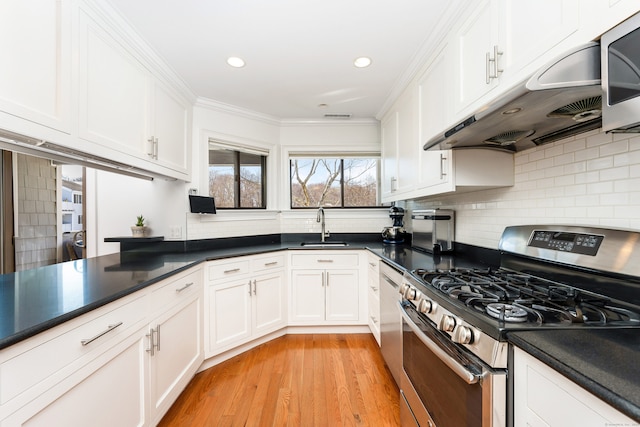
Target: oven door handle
pixel 468 376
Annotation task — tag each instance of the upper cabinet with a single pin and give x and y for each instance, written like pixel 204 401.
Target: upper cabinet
pixel 124 106
pixel 501 41
pixel 35 76
pixel 399 143
pixel 75 75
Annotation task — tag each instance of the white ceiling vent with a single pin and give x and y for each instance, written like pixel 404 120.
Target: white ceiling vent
pixel 337 116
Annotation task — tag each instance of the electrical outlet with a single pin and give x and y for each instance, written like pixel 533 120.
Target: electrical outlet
pixel 175 232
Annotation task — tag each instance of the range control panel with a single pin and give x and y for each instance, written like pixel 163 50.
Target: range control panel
pixel 577 243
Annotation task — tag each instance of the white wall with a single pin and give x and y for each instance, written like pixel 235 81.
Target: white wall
pixel 592 179
pixel 245 128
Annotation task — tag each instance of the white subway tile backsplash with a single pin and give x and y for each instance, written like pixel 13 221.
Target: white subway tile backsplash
pixel 589 180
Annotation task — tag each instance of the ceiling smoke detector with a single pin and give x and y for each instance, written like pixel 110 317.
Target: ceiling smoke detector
pixel 508 138
pixel 337 116
pixel 580 111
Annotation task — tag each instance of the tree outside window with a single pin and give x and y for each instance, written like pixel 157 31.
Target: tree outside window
pixel 334 182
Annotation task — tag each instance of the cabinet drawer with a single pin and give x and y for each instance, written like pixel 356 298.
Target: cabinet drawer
pixel 222 270
pixel 267 263
pixel 46 357
pixel 176 290
pixel 324 260
pixel 373 264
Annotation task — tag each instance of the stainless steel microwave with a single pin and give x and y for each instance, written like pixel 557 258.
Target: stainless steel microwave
pixel 620 62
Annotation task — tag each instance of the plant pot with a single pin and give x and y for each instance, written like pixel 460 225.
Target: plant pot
pixel 138 231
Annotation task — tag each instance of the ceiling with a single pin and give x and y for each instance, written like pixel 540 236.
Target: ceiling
pixel 299 53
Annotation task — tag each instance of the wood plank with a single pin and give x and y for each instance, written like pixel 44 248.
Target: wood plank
pixel 294 380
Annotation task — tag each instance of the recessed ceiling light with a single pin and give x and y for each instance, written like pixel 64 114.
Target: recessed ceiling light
pixel 235 62
pixel 362 62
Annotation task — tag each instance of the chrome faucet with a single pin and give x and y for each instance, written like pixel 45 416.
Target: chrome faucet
pixel 320 219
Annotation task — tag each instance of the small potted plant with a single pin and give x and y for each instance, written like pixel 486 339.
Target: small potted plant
pixel 139 230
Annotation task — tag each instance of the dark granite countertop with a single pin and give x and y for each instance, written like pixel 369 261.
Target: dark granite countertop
pixel 35 300
pixel 604 362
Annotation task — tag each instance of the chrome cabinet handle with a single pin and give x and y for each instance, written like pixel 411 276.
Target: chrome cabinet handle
pixel 389 281
pixel 109 329
pixel 442 172
pixel 496 66
pixel 487 74
pixel 393 183
pixel 372 264
pixel 325 260
pixel 151 349
pixel 268 264
pixel 184 287
pixel 255 287
pixel 158 337
pixel 249 287
pixel 323 279
pixel 233 270
pixel 460 370
pixel 154 147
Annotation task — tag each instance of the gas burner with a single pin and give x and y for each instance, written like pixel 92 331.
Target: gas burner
pixel 506 312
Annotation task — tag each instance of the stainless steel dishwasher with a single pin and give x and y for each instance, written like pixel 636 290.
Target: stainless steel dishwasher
pixel 390 319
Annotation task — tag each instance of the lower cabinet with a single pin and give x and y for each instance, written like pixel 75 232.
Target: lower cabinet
pixel 544 397
pixel 123 364
pixel 248 306
pixel 327 295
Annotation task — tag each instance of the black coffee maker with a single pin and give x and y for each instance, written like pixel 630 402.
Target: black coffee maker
pixel 394 233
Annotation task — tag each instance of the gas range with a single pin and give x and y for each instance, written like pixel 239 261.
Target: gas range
pixel 550 277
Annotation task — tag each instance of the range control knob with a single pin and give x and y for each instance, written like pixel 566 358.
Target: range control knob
pixel 426 305
pixel 410 293
pixel 447 323
pixel 403 288
pixel 463 335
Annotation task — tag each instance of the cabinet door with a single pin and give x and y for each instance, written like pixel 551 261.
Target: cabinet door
pixel 111 394
pixel 436 172
pixel 389 137
pixel 113 92
pixel 544 397
pixel 177 354
pixel 342 295
pixel 35 74
pixel 523 43
pixel 434 97
pixel 269 301
pixel 229 313
pixel 407 141
pixel 307 296
pixel 169 128
pixel 475 41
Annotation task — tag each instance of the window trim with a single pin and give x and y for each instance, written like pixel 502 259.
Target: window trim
pixel 214 144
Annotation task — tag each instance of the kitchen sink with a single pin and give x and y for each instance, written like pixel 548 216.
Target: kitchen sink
pixel 323 244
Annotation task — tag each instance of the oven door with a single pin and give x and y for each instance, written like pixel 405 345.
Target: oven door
pixel 443 385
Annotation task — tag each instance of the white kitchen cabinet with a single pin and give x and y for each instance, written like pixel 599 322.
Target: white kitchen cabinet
pixel 498 45
pixel 597 16
pixel 169 132
pixel 246 300
pixel 389 154
pixel 435 86
pixel 464 170
pixel 325 288
pixel 124 107
pixel 476 46
pixel 107 392
pixel 399 142
pixel 35 76
pixel 113 90
pixel 373 291
pixel 122 364
pixel 174 340
pixel 544 397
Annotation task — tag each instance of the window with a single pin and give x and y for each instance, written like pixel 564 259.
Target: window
pixel 237 179
pixel 334 182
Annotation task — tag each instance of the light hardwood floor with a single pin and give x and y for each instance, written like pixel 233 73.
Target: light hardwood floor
pixel 294 380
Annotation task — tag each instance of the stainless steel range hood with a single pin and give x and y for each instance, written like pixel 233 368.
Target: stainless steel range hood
pixel 560 100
